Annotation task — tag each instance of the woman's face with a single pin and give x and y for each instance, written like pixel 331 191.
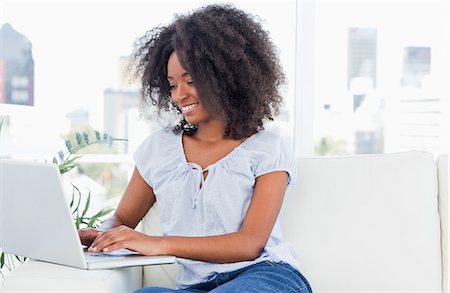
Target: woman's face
pixel 183 92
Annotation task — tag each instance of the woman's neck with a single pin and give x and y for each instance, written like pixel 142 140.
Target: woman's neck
pixel 210 132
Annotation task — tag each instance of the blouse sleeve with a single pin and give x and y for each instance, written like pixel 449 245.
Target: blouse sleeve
pixel 142 157
pixel 157 155
pixel 277 155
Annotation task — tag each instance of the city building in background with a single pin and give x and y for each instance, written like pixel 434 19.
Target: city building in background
pixel 380 85
pixel 117 103
pixel 420 108
pixel 362 55
pixel 16 68
pixel 362 82
pixel 79 120
pixel 121 108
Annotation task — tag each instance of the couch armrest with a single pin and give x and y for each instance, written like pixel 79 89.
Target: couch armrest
pixel 160 276
pixel 37 276
pixel 442 163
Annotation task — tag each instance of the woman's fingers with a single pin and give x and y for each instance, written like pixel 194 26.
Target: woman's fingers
pixel 87 236
pixel 126 237
pixel 95 242
pixel 115 246
pixel 109 238
pixel 102 240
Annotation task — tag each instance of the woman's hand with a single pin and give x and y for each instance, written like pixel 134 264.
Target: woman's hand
pixel 126 237
pixel 88 235
pixel 135 203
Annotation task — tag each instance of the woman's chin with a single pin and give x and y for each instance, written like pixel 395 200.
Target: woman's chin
pixel 191 121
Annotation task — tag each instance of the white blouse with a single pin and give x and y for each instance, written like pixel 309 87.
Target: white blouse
pixel 190 205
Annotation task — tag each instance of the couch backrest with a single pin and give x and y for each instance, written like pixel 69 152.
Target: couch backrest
pixel 443 175
pixel 367 223
pixel 360 223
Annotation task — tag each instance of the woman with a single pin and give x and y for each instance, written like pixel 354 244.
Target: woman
pixel 219 178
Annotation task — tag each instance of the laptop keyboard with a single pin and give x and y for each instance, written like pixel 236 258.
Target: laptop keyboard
pixel 115 253
pixel 94 254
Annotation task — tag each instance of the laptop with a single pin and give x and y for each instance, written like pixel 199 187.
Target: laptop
pixel 36 221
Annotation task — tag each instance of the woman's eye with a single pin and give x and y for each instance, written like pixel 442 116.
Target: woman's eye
pixel 190 82
pixel 171 87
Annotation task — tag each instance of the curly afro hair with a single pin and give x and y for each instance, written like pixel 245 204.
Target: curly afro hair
pixel 231 59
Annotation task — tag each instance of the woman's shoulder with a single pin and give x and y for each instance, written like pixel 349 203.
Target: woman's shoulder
pixel 157 155
pixel 271 151
pixel 161 136
pixel 266 140
pixel 158 143
pixel 268 145
pixel 269 134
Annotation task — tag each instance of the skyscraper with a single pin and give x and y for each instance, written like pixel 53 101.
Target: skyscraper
pixel 16 68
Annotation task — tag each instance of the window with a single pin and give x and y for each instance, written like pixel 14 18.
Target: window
pixel 79 58
pixel 373 77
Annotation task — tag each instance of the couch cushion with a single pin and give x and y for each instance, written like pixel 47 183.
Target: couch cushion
pixel 37 276
pixel 367 223
pixel 163 275
pixel 442 164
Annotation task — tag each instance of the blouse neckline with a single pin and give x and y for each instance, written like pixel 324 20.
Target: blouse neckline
pixel 226 157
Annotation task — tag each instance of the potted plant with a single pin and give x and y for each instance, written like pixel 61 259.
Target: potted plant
pixel 67 161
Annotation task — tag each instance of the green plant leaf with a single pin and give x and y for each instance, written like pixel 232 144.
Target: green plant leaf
pixel 19 259
pixel 103 212
pixel 68 145
pixel 1 124
pixel 86 137
pixel 2 260
pixel 77 221
pixel 72 200
pixel 68 164
pixel 78 137
pixel 91 223
pixel 69 161
pixel 86 207
pixel 74 188
pixel 67 168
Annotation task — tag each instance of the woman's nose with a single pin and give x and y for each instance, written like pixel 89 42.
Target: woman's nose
pixel 179 94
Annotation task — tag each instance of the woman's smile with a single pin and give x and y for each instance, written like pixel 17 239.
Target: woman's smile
pixel 188 108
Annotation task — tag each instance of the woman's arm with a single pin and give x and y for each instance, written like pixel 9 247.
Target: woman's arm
pixel 246 244
pixel 137 199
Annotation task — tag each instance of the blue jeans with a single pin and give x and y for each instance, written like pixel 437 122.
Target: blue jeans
pixel 263 277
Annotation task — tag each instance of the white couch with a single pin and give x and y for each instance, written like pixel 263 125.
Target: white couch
pixel 370 223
